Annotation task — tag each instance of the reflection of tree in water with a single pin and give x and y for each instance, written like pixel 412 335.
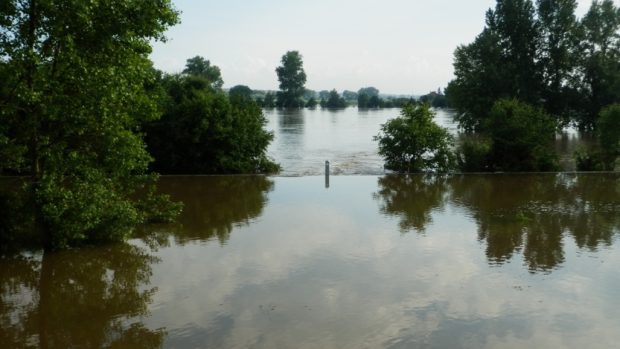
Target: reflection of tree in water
pixel 83 299
pixel 533 213
pixel 213 205
pixel 412 198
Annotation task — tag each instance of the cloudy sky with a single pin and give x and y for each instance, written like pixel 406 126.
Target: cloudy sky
pixel 398 46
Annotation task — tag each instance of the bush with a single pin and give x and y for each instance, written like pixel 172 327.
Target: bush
pixel 413 142
pixel 521 137
pixel 203 131
pixel 473 155
pixel 608 138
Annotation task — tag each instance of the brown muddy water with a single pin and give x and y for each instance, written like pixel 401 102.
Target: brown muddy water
pixel 305 138
pixel 475 261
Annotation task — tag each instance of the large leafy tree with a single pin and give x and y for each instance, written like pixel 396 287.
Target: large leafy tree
pixel 600 59
pixel 501 62
pixel 292 80
pixel 413 142
pixel 521 137
pixel 198 66
pixel 335 100
pixel 557 55
pixel 203 130
pixel 71 102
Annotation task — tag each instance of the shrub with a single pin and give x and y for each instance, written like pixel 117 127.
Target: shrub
pixel 413 142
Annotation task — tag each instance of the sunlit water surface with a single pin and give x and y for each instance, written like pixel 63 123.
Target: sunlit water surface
pixel 305 138
pixel 495 261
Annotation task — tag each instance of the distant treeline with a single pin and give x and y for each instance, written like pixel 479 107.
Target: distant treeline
pixel 364 98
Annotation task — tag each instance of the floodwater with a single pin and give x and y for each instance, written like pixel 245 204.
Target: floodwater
pixel 473 261
pixel 304 139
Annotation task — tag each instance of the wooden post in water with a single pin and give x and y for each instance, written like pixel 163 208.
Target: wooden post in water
pixel 326 174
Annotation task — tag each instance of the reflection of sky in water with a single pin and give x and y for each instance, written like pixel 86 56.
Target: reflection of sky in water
pixel 320 268
pixel 305 138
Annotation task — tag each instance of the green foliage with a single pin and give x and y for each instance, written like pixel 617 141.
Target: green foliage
pixel 350 96
pixel 480 80
pixel 362 100
pixel 204 131
pixel 369 91
pixel 368 97
pixel 605 157
pixel 599 60
pixel 334 101
pixel 500 63
pixel 609 129
pixel 557 54
pixel 435 99
pixel 413 142
pixel 312 103
pixel 544 57
pixel 240 91
pixel 198 66
pixel 473 154
pixel 269 101
pixel 521 137
pixel 292 80
pixel 73 99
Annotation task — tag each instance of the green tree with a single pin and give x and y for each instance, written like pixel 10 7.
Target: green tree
pixel 335 101
pixel 479 80
pixel 608 132
pixel 600 60
pixel 604 157
pixel 557 55
pixel 269 101
pixel 349 96
pixel 204 131
pixel 240 91
pixel 72 102
pixel 521 137
pixel 413 142
pixel 292 80
pixel 312 103
pixel 374 102
pixel 198 66
pixel 323 94
pixel 502 62
pixel 362 100
pixel 369 91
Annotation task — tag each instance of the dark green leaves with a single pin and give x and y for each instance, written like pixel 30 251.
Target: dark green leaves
pixel 413 142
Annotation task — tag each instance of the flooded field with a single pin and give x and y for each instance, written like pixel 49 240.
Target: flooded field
pixel 476 261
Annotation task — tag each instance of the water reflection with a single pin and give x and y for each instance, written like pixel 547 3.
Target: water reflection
pixel 88 298
pixel 528 215
pixel 412 198
pixel 307 267
pixel 305 138
pixel 214 205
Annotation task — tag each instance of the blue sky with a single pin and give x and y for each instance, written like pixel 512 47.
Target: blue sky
pixel 398 46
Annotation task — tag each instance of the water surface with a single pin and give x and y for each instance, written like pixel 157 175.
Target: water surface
pixel 305 138
pixel 493 261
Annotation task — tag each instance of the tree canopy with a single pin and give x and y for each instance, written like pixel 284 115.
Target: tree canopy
pixel 240 91
pixel 334 101
pixel 541 55
pixel 198 66
pixel 204 131
pixel 71 103
pixel 292 80
pixel 413 142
